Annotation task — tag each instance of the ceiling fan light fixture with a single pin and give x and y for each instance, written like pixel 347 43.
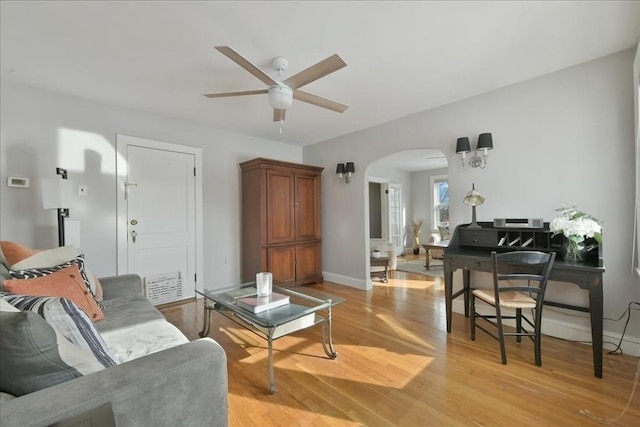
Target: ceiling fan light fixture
pixel 280 97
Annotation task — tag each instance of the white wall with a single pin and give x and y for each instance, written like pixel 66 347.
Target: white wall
pixel 44 130
pixel 563 138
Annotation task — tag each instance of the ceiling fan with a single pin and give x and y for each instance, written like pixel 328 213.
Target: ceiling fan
pixel 283 92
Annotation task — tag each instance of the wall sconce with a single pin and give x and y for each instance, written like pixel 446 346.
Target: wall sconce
pixel 57 194
pixel 345 172
pixel 485 143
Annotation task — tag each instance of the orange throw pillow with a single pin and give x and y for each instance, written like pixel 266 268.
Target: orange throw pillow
pixel 65 283
pixel 15 252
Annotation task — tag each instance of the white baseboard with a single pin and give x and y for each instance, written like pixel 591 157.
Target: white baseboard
pixel 352 282
pixel 572 332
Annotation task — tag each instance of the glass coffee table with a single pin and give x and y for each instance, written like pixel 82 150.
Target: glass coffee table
pixel 307 307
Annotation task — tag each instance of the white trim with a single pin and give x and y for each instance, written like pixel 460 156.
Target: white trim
pixel 351 282
pixel 122 142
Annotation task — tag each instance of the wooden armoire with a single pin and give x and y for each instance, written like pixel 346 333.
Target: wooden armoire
pixel 281 224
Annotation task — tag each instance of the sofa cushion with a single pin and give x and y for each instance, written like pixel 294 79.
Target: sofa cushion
pixel 140 339
pixel 69 319
pixel 67 283
pixel 35 356
pixel 133 328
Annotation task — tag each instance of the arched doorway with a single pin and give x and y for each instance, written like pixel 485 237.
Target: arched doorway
pixel 403 187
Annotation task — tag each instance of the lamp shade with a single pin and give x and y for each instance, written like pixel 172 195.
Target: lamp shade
pixel 473 197
pixel 340 169
pixel 485 140
pixel 463 146
pixel 351 167
pixel 57 193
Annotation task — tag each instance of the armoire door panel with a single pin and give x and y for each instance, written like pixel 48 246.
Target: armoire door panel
pixel 280 207
pixel 281 263
pixel 307 205
pixel 308 261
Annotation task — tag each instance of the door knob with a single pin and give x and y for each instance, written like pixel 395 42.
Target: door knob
pixel 133 235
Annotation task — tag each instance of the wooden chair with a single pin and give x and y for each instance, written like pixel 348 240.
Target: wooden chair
pixel 519 282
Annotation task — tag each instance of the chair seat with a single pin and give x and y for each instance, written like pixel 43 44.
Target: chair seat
pixel 508 299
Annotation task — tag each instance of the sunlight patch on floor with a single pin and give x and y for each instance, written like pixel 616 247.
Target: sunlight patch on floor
pixel 402 332
pixel 404 283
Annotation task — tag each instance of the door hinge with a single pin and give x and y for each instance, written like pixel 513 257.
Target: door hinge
pixel 195 278
pixel 194 171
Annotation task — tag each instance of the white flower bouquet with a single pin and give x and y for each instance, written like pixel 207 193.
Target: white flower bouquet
pixel 576 226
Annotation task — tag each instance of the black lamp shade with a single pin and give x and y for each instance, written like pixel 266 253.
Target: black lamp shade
pixel 351 167
pixel 340 168
pixel 463 145
pixel 485 141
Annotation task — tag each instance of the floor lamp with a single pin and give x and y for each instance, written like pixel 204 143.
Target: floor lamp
pixel 57 194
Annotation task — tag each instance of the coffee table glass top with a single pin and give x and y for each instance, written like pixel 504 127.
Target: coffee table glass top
pixel 302 301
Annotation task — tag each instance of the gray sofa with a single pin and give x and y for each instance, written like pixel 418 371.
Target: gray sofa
pixel 182 385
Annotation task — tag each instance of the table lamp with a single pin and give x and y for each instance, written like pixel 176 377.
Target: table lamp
pixel 473 199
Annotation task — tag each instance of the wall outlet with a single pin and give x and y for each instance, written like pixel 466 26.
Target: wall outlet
pixel 82 190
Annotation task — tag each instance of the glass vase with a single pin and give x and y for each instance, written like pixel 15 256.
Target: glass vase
pixel 416 245
pixel 573 251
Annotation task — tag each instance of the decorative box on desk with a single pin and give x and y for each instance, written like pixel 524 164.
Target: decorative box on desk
pixel 470 250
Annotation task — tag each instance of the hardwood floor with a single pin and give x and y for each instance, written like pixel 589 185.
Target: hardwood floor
pixel 397 366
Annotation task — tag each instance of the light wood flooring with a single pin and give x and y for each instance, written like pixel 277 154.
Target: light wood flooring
pixel 397 366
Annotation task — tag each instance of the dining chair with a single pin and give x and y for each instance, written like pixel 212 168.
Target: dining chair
pixel 519 283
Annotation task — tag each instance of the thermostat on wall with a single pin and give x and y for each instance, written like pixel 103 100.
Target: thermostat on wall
pixel 14 181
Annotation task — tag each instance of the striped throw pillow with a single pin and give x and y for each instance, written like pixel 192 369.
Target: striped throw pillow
pixel 71 321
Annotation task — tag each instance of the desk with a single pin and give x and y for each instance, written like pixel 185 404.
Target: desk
pixel 587 275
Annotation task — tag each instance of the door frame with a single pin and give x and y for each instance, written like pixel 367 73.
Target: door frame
pixel 122 143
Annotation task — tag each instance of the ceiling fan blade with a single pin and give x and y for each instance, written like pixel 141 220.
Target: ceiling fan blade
pixel 244 63
pixel 313 73
pixel 278 115
pixel 240 93
pixel 303 96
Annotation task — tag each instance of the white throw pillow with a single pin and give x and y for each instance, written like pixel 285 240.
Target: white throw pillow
pixel 47 258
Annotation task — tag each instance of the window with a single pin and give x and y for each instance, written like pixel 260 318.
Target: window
pixel 395 215
pixel 440 186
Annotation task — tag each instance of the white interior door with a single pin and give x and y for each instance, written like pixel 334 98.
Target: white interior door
pixel 391 213
pixel 396 226
pixel 159 201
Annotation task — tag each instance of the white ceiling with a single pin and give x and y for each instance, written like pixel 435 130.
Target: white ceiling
pixel 403 57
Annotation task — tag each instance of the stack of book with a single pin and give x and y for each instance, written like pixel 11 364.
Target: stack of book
pixel 256 304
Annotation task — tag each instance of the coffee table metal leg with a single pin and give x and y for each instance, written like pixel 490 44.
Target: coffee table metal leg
pixel 328 349
pixel 272 381
pixel 207 320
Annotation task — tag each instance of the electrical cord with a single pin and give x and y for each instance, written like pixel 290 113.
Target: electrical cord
pixel 588 413
pixel 618 349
